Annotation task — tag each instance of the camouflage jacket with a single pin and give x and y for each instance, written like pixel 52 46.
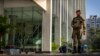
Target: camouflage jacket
pixel 77 23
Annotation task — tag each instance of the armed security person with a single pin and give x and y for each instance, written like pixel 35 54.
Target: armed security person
pixel 78 29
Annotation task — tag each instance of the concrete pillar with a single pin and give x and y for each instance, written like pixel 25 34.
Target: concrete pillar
pixel 83 9
pixel 58 23
pixel 7 33
pixel 13 31
pixel 70 18
pixel 47 28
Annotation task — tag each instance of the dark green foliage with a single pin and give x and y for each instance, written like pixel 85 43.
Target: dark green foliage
pixel 3 29
pixel 3 25
pixel 94 39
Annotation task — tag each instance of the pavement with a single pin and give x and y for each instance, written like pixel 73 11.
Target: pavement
pixel 54 54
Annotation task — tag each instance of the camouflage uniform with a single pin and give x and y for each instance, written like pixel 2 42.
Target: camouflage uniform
pixel 77 24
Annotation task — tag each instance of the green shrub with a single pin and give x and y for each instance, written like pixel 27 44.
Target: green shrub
pixel 54 47
pixel 3 29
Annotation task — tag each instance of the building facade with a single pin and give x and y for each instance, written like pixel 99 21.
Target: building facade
pixel 38 22
pixel 64 11
pixel 93 22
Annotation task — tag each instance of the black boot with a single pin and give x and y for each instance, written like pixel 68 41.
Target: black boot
pixel 79 49
pixel 74 49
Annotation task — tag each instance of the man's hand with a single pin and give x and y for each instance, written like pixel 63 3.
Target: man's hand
pixel 84 32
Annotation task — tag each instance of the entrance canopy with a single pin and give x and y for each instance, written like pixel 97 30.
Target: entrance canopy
pixel 41 3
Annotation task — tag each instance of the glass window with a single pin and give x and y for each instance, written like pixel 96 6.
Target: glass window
pixel 26 31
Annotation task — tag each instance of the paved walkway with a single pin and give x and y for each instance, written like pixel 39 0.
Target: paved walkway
pixel 57 54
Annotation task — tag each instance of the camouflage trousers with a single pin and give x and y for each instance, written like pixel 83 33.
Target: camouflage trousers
pixel 76 36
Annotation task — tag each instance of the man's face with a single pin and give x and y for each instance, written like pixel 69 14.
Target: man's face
pixel 78 13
